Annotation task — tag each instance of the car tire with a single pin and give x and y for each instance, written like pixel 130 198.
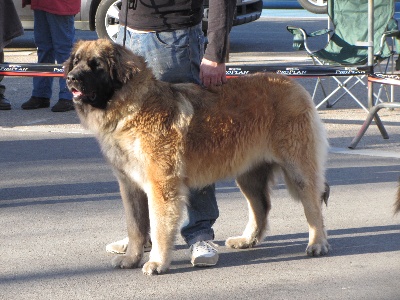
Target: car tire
pixel 107 19
pixel 314 6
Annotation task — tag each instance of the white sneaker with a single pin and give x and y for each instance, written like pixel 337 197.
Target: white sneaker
pixel 204 254
pixel 119 247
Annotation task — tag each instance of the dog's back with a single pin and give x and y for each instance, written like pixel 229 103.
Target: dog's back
pixel 264 117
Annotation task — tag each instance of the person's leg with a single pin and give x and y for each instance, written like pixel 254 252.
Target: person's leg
pixel 63 36
pixel 198 233
pixel 4 103
pixel 42 86
pixel 202 214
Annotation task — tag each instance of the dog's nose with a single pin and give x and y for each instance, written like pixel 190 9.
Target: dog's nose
pixel 71 77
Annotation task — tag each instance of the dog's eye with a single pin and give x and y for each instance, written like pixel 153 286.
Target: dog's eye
pixel 94 64
pixel 75 61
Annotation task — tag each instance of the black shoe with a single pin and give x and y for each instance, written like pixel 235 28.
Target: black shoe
pixel 4 103
pixel 63 105
pixel 36 102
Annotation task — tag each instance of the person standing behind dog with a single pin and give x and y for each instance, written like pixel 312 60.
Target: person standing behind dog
pixel 169 36
pixel 54 34
pixel 10 27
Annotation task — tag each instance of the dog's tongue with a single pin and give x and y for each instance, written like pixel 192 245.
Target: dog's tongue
pixel 76 93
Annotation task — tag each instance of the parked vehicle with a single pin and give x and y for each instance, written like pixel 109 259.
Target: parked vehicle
pixel 102 15
pixel 314 6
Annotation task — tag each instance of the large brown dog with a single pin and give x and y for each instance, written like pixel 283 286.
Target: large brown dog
pixel 163 139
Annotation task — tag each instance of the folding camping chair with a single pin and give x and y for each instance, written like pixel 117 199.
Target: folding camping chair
pixel 348 45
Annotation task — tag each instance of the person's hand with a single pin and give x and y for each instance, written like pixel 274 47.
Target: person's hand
pixel 212 73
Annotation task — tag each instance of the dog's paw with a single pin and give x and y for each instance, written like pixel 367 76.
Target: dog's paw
pixel 154 268
pixel 125 262
pixel 318 249
pixel 240 242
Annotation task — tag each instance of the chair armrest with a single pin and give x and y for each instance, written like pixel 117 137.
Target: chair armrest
pixel 320 32
pixel 391 33
pixel 387 34
pixel 300 37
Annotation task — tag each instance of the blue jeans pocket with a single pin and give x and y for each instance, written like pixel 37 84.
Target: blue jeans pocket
pixel 178 39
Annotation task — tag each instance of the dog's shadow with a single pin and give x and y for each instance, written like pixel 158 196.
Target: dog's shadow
pixel 291 247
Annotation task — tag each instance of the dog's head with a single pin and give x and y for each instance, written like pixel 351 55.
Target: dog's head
pixel 96 69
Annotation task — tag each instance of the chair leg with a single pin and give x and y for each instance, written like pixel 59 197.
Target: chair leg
pixel 327 97
pixel 342 85
pixel 373 115
pixel 355 99
pixel 319 83
pixel 378 97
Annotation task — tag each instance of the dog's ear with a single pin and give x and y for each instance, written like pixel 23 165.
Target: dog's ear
pixel 68 64
pixel 124 65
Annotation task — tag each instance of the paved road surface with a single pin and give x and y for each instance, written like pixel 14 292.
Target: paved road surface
pixel 60 206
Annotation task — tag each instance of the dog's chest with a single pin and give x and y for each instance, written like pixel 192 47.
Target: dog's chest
pixel 126 156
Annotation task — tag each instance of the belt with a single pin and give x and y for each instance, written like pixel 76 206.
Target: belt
pixel 138 31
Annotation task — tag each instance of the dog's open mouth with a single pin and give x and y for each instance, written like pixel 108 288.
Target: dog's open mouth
pixel 79 95
pixel 76 93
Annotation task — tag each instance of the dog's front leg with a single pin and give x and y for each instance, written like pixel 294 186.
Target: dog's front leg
pixel 165 208
pixel 137 220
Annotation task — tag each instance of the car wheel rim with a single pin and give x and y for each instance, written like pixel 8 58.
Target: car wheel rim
pixel 318 2
pixel 112 20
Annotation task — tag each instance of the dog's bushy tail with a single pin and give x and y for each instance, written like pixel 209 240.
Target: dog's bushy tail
pixel 397 203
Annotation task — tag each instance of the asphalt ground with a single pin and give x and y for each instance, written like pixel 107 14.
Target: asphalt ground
pixel 60 205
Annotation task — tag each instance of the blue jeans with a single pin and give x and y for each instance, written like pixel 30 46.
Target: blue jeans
pixel 54 37
pixel 175 57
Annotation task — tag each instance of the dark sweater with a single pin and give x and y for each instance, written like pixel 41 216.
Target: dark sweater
pixel 167 15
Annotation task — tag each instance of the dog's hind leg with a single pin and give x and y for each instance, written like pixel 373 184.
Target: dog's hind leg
pixel 255 187
pixel 307 185
pixel 138 224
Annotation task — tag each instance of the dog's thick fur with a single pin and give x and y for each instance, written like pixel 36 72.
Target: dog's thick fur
pixel 163 139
